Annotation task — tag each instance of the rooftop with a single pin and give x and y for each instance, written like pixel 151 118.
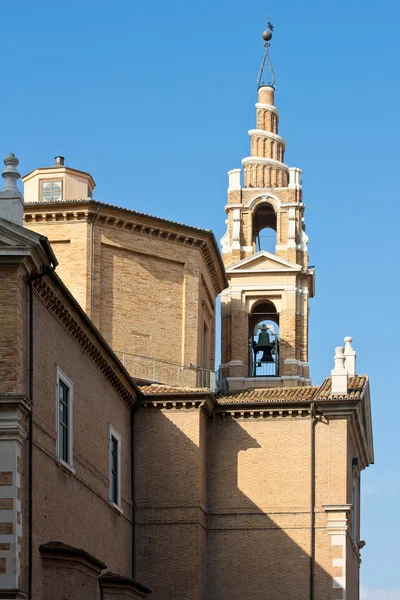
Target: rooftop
pixel 356 386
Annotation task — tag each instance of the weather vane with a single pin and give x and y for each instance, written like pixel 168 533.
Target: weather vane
pixel 266 74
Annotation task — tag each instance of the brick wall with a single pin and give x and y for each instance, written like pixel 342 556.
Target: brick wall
pixel 12 333
pixel 74 508
pixel 145 293
pixel 170 471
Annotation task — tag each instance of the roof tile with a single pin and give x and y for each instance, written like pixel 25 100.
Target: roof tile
pixel 267 395
pixel 157 389
pixel 355 388
pixel 260 395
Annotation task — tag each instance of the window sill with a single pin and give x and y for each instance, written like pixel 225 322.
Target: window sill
pixel 117 509
pixel 65 466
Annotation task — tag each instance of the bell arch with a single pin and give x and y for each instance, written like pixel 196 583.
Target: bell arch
pixel 263 339
pixel 264 228
pixel 260 199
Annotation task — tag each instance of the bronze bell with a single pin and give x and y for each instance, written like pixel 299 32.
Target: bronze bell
pixel 267 354
pixel 264 345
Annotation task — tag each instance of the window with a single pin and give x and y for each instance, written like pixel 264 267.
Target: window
pixel 114 445
pixel 64 403
pixel 51 191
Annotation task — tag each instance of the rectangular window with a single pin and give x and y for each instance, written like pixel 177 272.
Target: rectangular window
pixel 63 423
pixel 51 191
pixel 114 442
pixel 64 400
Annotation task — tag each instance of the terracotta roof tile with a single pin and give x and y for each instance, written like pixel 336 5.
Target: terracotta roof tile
pixel 158 389
pixel 259 395
pixel 355 388
pixel 266 395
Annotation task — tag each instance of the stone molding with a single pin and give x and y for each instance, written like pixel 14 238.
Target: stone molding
pixel 268 134
pixel 178 401
pixel 261 160
pixel 261 411
pixel 269 107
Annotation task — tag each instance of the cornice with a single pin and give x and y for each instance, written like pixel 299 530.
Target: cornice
pixel 192 400
pixel 64 315
pixel 265 410
pixel 268 134
pixel 262 160
pixel 269 107
pixel 13 410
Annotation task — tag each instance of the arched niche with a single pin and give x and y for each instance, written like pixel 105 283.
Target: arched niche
pixel 264 228
pixel 263 311
pixel 263 315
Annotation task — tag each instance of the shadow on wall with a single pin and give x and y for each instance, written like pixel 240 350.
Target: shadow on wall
pixel 131 320
pixel 199 535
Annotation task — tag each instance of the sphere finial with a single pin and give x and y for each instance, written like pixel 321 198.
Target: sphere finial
pixel 267 34
pixel 266 75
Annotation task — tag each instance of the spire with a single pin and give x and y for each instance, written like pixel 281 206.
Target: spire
pixel 11 200
pixel 265 167
pixel 266 75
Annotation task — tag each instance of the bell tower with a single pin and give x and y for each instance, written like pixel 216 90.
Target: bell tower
pixel 265 308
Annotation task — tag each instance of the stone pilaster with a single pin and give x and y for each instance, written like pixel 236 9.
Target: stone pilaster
pixel 336 528
pixel 13 412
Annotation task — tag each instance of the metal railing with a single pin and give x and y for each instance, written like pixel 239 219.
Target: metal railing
pixel 258 365
pixel 170 373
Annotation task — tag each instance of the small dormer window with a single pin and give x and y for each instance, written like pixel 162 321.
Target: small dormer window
pixel 89 192
pixel 51 191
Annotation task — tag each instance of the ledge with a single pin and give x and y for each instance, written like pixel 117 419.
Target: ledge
pixel 117 509
pixel 65 466
pixel 64 550
pixel 110 579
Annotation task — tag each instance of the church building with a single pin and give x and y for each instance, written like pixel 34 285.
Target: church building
pixel 132 470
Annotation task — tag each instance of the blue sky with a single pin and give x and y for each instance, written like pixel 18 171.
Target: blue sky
pixel 155 101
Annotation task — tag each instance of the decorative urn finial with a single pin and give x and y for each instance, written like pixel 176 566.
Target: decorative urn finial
pixel 11 174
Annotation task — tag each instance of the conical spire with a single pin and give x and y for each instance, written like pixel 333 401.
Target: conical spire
pixel 265 167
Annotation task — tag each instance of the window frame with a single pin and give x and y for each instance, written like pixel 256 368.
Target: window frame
pixel 112 433
pixel 42 181
pixel 66 381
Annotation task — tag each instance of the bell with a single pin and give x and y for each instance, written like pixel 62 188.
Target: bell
pixel 267 354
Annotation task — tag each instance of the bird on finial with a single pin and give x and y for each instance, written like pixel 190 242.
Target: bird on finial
pixel 266 74
pixel 267 34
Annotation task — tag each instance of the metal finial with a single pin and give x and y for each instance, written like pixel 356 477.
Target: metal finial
pixel 266 74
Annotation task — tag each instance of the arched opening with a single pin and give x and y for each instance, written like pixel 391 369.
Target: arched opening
pixel 264 340
pixel 264 228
